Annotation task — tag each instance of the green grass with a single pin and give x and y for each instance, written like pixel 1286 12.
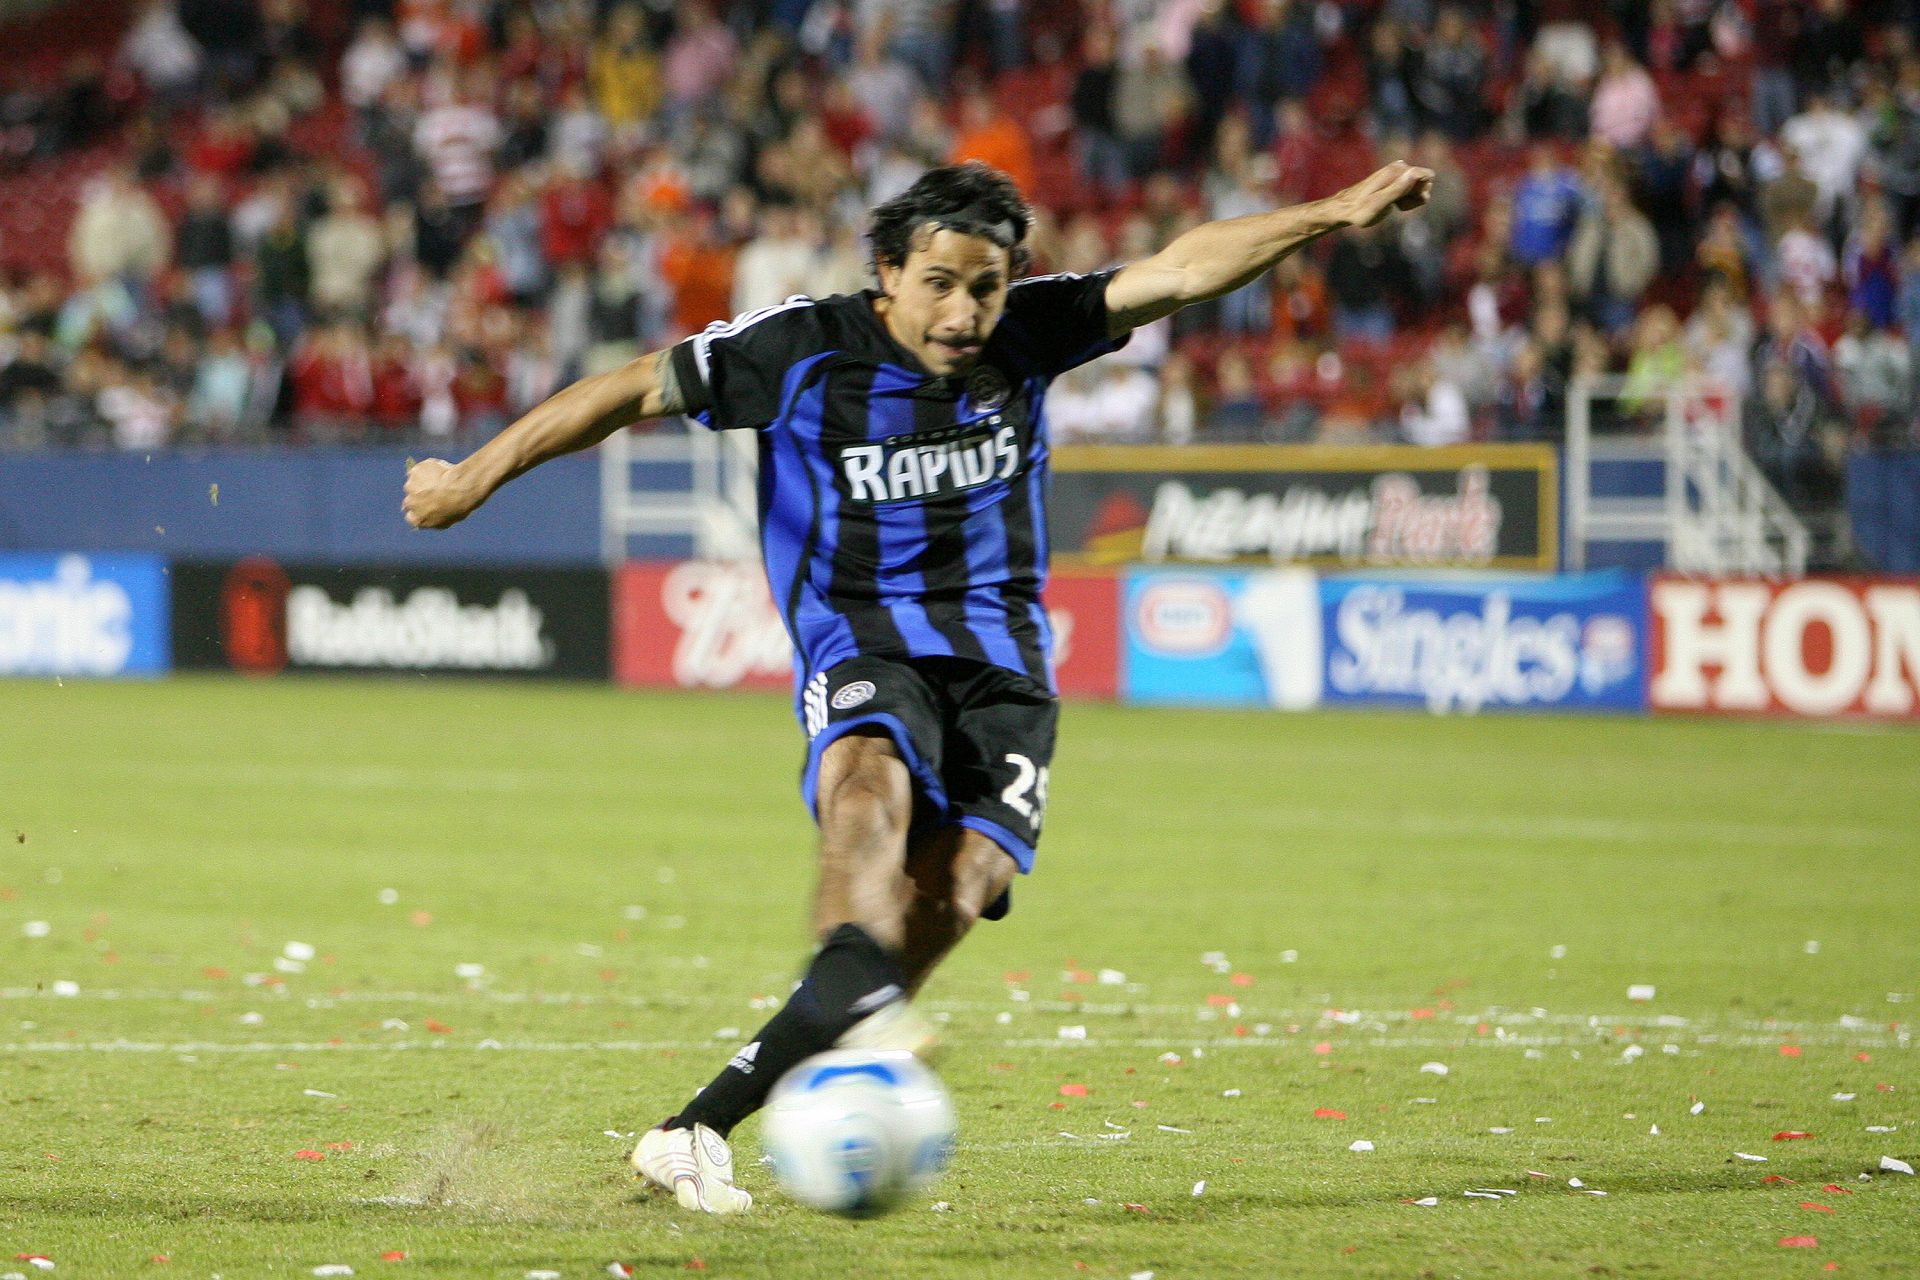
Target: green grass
pixel 631 870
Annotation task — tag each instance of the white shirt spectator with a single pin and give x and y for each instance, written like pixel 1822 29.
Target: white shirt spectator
pixel 772 269
pixel 1106 402
pixel 159 48
pixel 1443 419
pixel 457 142
pixel 371 63
pixel 1570 49
pixel 1807 264
pixel 1831 146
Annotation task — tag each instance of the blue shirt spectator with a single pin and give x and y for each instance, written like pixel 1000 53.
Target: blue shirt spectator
pixel 1546 205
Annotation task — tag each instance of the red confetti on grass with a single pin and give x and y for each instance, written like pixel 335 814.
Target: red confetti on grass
pixel 421 919
pixel 308 1154
pixel 1420 1015
pixel 1241 979
pixel 394 1255
pixel 1831 1266
pixel 213 971
pixel 1774 1177
pixel 1016 975
pixel 437 1027
pixel 1799 1242
pixel 159 1259
pixel 339 1146
pixel 1788 1135
pixel 1835 1189
pixel 1219 1001
pixel 1135 1208
pixel 1328 1113
pixel 1789 1050
pixel 1863 1057
pixel 1073 1091
pixel 1056 1106
pixel 696 1264
pixel 1817 1208
pixel 1883 1087
pixel 1323 1047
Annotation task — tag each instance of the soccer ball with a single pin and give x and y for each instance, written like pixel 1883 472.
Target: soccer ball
pixel 856 1132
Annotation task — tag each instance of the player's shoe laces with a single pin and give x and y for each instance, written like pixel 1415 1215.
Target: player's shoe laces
pixel 695 1164
pixel 896 1026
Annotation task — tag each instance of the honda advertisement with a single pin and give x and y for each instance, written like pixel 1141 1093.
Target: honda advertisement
pixel 83 615
pixel 1807 647
pixel 700 624
pixel 1288 638
pixel 1388 506
pixel 261 616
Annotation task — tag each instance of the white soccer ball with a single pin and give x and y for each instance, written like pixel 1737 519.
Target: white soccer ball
pixel 856 1132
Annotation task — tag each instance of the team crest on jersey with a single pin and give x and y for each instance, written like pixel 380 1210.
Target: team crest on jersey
pixel 853 695
pixel 987 389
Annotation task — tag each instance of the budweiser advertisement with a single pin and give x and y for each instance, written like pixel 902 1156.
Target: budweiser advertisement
pixel 262 616
pixel 698 624
pixel 1807 647
pixel 1387 506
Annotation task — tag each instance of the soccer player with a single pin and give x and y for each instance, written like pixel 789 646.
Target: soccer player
pixel 903 479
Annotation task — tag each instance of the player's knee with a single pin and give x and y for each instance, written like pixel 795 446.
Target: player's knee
pixel 984 872
pixel 867 791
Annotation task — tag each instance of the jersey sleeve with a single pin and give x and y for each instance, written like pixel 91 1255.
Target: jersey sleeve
pixel 1060 321
pixel 732 373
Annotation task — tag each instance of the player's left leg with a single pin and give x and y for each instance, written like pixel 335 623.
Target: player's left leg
pixel 956 874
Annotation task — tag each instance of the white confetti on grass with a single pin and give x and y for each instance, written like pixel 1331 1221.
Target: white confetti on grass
pixel 1428 1201
pixel 1167 1128
pixel 1755 1159
pixel 36 929
pixel 1200 1187
pixel 1696 1108
pixel 1501 1128
pixel 1641 991
pixel 543 1275
pixel 303 952
pixel 1361 1144
pixel 1883 1128
pixel 470 970
pixel 319 1093
pixel 1890 1165
pixel 333 1269
pixel 66 987
pixel 1433 1068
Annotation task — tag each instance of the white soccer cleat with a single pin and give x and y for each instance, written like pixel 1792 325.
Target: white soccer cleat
pixel 695 1164
pixel 896 1026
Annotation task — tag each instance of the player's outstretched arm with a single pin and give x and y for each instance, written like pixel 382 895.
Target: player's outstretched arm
pixel 441 493
pixel 1218 257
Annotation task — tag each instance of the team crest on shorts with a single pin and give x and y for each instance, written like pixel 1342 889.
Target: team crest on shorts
pixel 986 389
pixel 853 695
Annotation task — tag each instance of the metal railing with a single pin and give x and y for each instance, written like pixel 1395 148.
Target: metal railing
pixel 696 484
pixel 1712 512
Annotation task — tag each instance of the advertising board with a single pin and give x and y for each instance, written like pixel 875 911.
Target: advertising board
pixel 1384 506
pixel 1290 639
pixel 700 624
pixel 1808 647
pixel 259 615
pixel 83 615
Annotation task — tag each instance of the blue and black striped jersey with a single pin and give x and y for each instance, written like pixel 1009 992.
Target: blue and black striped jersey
pixel 901 514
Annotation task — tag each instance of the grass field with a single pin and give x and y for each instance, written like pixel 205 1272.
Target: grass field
pixel 1376 893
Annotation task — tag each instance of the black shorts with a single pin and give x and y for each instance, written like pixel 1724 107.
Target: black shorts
pixel 977 740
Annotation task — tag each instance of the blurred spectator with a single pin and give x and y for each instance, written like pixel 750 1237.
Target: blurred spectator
pixel 281 275
pixel 1806 261
pixel 1723 252
pixel 1236 414
pixel 1719 338
pixel 991 135
pixel 1434 411
pixel 1828 43
pixel 457 141
pixel 777 263
pixel 624 70
pixel 1546 207
pixel 1664 181
pixel 1871 267
pixel 371 63
pixel 699 58
pixel 885 88
pixel 1452 69
pixel 159 50
pixel 1830 145
pixel 1613 258
pixel 217 405
pixel 1625 102
pixel 1391 71
pixel 1531 399
pixel 139 412
pixel 1657 361
pixel 119 232
pixel 1107 401
pixel 1278 59
pixel 1776 25
pixel 1178 412
pixel 1874 370
pixel 345 249
pixel 203 248
pixel 1151 97
pixel 1366 273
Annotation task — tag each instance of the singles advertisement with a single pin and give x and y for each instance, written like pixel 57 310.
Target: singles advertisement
pixel 1291 639
pixel 1384 506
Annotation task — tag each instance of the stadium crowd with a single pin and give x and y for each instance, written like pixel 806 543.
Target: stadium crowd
pixel 510 193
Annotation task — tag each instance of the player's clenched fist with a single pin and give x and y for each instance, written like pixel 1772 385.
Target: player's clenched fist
pixel 436 495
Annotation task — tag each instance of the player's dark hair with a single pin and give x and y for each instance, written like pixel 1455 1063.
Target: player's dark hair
pixel 972 198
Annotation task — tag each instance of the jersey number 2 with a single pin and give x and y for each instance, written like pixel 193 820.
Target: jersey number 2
pixel 1027 793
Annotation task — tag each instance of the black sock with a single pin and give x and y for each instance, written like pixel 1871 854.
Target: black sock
pixel 850 977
